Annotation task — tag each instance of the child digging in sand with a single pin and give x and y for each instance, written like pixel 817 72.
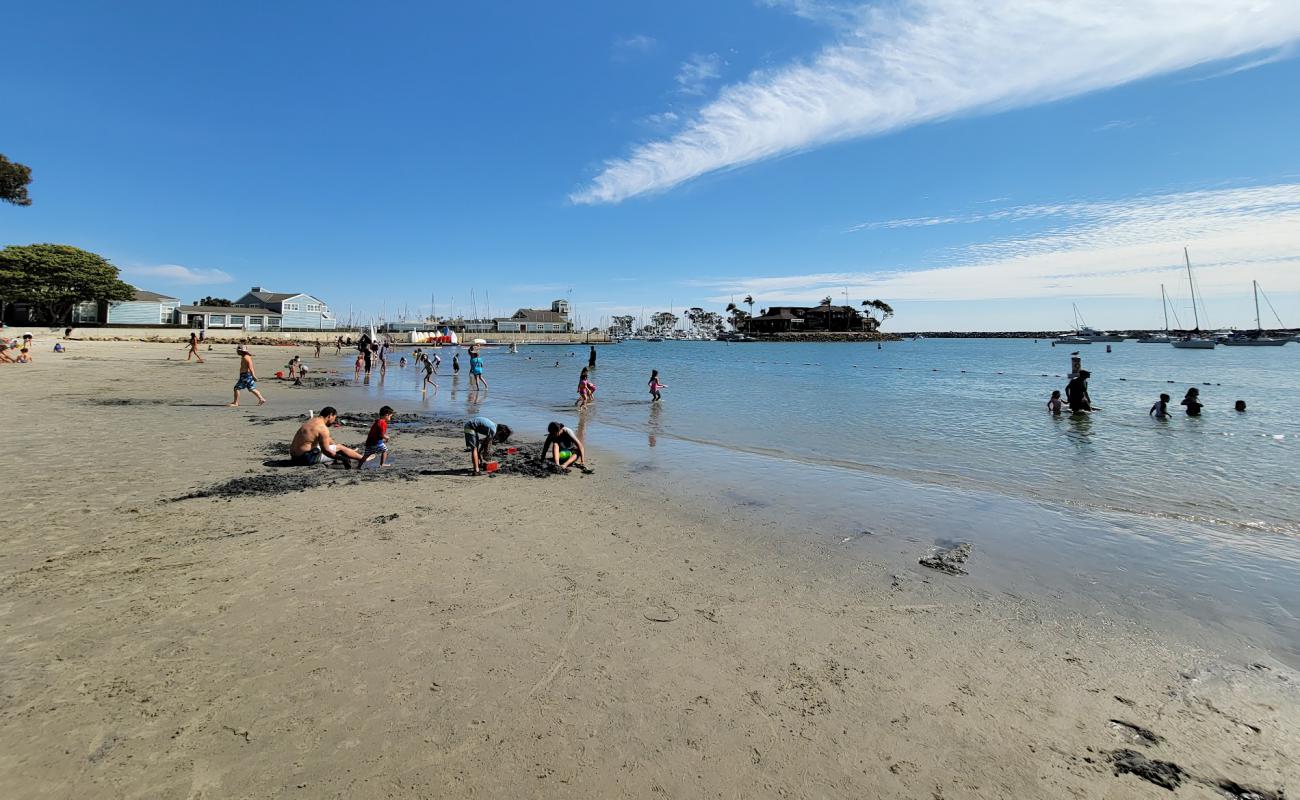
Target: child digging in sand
pixel 377 439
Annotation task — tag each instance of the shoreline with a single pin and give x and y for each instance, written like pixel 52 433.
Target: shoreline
pixel 571 636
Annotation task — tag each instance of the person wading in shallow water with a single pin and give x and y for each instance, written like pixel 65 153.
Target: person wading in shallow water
pixel 1076 393
pixel 591 359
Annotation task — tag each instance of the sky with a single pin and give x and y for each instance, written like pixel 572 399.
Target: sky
pixel 978 164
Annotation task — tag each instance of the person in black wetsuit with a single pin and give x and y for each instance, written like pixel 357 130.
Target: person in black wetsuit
pixel 1076 392
pixel 1192 402
pixel 591 359
pixel 363 346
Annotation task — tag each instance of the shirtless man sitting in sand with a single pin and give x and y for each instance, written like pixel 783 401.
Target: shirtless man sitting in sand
pixel 312 442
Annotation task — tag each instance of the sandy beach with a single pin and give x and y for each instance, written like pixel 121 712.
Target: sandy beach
pixel 416 632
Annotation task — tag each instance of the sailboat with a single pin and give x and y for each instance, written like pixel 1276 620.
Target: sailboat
pixel 1259 339
pixel 1083 334
pixel 1160 338
pixel 1193 341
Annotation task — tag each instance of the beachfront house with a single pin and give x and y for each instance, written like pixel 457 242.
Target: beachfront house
pixel 248 319
pixel 534 320
pixel 280 311
pixel 788 319
pixel 143 309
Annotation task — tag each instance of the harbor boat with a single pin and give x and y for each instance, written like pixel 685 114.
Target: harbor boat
pixel 1083 334
pixel 1160 338
pixel 1194 340
pixel 1258 339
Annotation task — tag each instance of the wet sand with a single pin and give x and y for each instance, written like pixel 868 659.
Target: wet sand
pixel 415 632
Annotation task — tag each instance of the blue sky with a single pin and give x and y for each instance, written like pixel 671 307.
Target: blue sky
pixel 981 164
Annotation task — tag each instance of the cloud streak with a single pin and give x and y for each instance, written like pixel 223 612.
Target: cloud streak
pixel 1120 248
pixel 925 60
pixel 176 274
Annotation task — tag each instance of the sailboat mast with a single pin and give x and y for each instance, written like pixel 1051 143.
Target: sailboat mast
pixel 1192 287
pixel 1258 326
pixel 1164 306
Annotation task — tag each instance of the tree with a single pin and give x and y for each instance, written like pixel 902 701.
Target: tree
pixel 213 301
pixel 826 301
pixel 664 321
pixel 14 178
pixel 885 309
pixel 749 301
pixel 56 277
pixel 621 325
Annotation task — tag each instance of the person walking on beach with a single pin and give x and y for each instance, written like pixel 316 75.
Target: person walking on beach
pixel 480 433
pixel 377 438
pixel 476 371
pixel 1160 409
pixel 1076 393
pixel 357 375
pixel 338 345
pixel 1054 403
pixel 656 386
pixel 247 378
pixel 312 442
pixel 363 347
pixel 591 359
pixel 1192 402
pixel 194 347
pixel 317 349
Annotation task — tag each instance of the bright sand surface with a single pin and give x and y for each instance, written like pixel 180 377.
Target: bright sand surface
pixel 575 636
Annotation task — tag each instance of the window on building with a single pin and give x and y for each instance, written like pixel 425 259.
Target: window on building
pixel 257 320
pixel 289 306
pixel 313 307
pixel 217 319
pixel 237 319
pixel 273 323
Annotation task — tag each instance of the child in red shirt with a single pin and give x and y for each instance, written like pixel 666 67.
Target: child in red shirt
pixel 377 439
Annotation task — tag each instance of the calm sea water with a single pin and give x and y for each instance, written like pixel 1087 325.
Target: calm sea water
pixel 950 438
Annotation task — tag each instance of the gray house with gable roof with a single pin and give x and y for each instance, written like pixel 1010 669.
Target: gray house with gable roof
pixel 296 310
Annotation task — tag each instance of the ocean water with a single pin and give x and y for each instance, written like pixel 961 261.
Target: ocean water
pixel 949 439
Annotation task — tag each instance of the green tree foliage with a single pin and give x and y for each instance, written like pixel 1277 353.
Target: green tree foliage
pixel 885 309
pixel 14 178
pixel 214 301
pixel 55 277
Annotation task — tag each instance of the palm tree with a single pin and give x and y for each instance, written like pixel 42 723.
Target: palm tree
pixel 749 301
pixel 731 311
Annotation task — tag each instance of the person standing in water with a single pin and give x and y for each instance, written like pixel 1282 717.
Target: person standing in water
pixel 1192 402
pixel 1076 393
pixel 455 363
pixel 655 386
pixel 591 359
pixel 1054 403
pixel 194 347
pixel 476 371
pixel 1160 409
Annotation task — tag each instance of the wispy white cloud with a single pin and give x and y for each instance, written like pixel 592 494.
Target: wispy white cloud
pixel 1281 54
pixel 662 119
pixel 922 60
pixel 1120 248
pixel 178 275
pixel 1121 124
pixel 626 47
pixel 833 12
pixel 697 72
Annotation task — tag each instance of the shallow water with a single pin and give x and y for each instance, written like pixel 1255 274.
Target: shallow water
pixel 950 439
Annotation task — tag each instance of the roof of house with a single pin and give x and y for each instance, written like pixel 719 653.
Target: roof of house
pixel 257 312
pixel 831 309
pixel 273 297
pixel 144 296
pixel 538 315
pixel 779 312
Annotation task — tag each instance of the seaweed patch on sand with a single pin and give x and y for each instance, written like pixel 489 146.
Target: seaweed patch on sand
pixel 948 560
pixel 1164 774
pixel 254 485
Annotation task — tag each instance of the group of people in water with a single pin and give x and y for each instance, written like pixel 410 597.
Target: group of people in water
pixel 1079 402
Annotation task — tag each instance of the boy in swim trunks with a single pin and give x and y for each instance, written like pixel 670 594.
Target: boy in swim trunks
pixel 480 433
pixel 377 439
pixel 247 378
pixel 312 442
